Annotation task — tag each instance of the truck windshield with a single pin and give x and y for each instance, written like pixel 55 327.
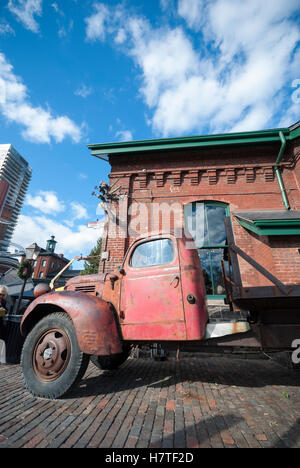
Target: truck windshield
pixel 151 253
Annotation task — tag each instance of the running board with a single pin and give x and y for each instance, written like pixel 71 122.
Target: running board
pixel 216 330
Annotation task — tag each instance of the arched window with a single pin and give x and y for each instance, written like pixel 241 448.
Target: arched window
pixel 205 222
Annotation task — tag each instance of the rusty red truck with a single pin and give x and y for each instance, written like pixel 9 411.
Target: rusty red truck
pixel 157 296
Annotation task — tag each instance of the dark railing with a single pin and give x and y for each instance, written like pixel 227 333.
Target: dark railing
pixel 11 325
pixel 233 286
pixel 13 339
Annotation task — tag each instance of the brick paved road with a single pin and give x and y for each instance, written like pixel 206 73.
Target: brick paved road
pixel 195 402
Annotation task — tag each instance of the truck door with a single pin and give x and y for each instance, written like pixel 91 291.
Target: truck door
pixel 151 306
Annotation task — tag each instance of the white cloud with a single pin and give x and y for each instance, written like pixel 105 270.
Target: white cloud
pixel 83 91
pixel 124 135
pixel 121 36
pixel 25 11
pixel 237 26
pixel 64 30
pixel 252 47
pixel 95 24
pixel 157 54
pixel 57 9
pixel 82 176
pixel 291 115
pixel 6 29
pixel 184 93
pixel 195 100
pixel 72 234
pixel 191 11
pixel 166 4
pixel 49 203
pixel 41 126
pixel 253 120
pixel 236 77
pixel 70 242
pixel 78 210
pixel 46 202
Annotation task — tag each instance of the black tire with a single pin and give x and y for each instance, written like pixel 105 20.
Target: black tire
pixel 113 361
pixel 51 361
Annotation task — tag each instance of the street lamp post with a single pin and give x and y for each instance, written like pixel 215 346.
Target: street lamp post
pixel 32 252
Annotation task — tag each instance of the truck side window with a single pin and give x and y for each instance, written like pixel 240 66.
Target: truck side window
pixel 157 252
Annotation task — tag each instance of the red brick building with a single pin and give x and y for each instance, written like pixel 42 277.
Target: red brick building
pixel 250 178
pixel 48 262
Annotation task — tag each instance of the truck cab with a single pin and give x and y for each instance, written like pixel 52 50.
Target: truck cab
pixel 161 293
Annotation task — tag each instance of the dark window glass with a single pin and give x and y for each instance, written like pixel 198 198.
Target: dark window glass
pixel 212 271
pixel 157 252
pixel 206 224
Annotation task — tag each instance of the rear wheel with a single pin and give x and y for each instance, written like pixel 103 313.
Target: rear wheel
pixel 113 361
pixel 52 363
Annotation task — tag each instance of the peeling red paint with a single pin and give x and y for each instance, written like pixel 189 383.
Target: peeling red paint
pixel 196 314
pixel 93 319
pixel 155 303
pixel 154 299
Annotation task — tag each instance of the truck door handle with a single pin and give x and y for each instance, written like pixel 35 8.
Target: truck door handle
pixel 176 277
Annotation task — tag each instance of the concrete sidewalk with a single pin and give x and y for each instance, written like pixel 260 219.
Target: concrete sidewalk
pixel 195 402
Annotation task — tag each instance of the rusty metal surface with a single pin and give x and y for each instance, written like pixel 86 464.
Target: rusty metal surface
pixel 152 307
pixel 111 293
pixel 268 295
pixel 164 303
pixel 192 284
pixel 82 279
pixel 92 284
pixel 51 354
pixel 40 289
pixel 154 301
pixel 93 319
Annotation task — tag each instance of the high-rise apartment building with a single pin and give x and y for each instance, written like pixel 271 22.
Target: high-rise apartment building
pixel 15 171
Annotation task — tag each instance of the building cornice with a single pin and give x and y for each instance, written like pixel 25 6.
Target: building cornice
pixel 225 139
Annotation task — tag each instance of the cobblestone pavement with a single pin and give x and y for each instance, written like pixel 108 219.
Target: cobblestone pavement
pixel 194 402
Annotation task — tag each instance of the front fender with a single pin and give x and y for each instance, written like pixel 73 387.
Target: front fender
pixel 93 319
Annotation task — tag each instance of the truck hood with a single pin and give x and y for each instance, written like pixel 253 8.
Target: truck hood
pixel 87 283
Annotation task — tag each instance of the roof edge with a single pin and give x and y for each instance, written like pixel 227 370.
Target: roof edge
pixel 261 136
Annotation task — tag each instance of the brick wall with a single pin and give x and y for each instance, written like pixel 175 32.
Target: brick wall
pixel 242 177
pixel 46 264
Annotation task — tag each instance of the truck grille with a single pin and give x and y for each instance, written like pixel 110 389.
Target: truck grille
pixel 86 289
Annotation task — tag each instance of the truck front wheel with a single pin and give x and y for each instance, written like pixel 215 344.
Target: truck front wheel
pixel 51 361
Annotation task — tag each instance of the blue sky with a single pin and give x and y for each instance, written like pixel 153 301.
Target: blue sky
pixel 74 72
